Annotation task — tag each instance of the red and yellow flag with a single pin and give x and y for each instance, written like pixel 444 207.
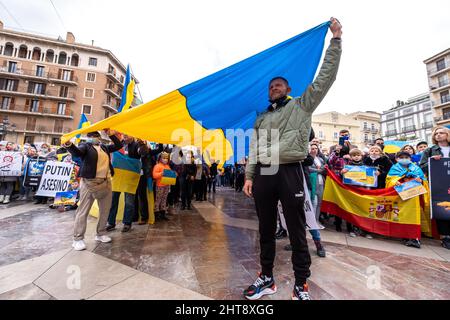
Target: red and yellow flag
pixel 379 211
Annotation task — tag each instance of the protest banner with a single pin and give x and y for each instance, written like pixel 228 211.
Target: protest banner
pixel 439 177
pixel 66 198
pixel 362 176
pixel 10 163
pixel 56 178
pixel 34 169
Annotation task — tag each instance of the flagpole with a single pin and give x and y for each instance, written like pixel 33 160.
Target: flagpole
pixel 137 85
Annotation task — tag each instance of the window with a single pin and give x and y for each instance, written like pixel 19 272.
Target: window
pixel 56 141
pixel 391 126
pixel 373 137
pixel 427 118
pixel 75 60
pixel 89 93
pixel 34 106
pixel 90 77
pixel 93 62
pixel 87 109
pixel 440 64
pixel 372 126
pixel 443 80
pixel 335 135
pixel 58 126
pixel 61 108
pixel 365 125
pixel 366 137
pixel 108 99
pixel 111 69
pixel 390 116
pixel 445 96
pixel 6 102
pixel 23 51
pixel 11 85
pixel 66 75
pixel 408 110
pixel 40 71
pixel 110 85
pixel 9 49
pixel 49 56
pixel 62 59
pixel 446 113
pixel 408 122
pixel 31 124
pixel 38 88
pixel 63 92
pixel 29 139
pixel 106 114
pixel 12 67
pixel 320 134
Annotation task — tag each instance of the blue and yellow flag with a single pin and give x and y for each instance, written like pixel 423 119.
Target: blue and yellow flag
pixel 212 112
pixel 84 123
pixel 127 172
pixel 127 93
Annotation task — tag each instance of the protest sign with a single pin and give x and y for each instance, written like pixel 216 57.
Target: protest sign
pixel 410 189
pixel 56 178
pixel 33 172
pixel 10 164
pixel 439 177
pixel 362 176
pixel 66 198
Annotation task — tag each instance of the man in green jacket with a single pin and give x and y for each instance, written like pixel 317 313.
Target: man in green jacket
pixel 279 144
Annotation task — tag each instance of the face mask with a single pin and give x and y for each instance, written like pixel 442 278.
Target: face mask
pixel 93 140
pixel 404 162
pixel 374 157
pixel 44 150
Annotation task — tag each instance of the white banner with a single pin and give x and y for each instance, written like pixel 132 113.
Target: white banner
pixel 11 163
pixel 311 222
pixel 56 178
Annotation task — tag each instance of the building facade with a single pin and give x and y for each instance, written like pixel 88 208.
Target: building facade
pixel 438 70
pixel 364 127
pixel 409 120
pixel 46 84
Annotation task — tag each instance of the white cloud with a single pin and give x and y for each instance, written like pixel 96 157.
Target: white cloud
pixel 172 43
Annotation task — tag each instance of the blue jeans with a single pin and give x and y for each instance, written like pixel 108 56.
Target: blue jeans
pixel 315 234
pixel 129 209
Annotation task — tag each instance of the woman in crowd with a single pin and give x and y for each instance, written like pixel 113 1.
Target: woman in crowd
pixel 7 182
pixel 48 154
pixel 440 149
pixel 187 180
pixel 31 153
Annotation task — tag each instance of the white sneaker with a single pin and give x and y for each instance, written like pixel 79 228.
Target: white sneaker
pixel 2 197
pixel 369 236
pixel 79 245
pixel 6 200
pixel 352 234
pixel 103 239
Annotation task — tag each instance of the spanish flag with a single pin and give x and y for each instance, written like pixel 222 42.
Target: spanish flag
pixel 211 112
pixel 379 211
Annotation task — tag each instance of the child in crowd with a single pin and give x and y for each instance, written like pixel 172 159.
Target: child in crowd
pixel 420 147
pixel 356 159
pixel 162 190
pixel 405 170
pixel 378 159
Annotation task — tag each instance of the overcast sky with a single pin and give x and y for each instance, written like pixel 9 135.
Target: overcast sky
pixel 172 43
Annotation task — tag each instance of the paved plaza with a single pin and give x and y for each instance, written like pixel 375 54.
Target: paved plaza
pixel 210 252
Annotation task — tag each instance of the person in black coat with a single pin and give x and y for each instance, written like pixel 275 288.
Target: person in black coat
pixel 187 180
pixel 377 158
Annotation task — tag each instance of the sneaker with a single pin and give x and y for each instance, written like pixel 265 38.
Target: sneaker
pixel 301 293
pixel 281 234
pixel 413 243
pixel 7 200
pixel 2 197
pixel 103 239
pixel 369 236
pixel 110 227
pixel 262 286
pixel 126 228
pixel 320 249
pixel 79 245
pixel 352 234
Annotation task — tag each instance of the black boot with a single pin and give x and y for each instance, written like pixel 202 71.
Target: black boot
pixel 282 233
pixel 320 249
pixel 164 216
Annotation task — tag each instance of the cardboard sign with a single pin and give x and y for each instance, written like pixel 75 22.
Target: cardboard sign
pixel 410 189
pixel 56 178
pixel 362 176
pixel 10 164
pixel 66 198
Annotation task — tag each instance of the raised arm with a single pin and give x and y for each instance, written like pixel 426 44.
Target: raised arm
pixel 315 93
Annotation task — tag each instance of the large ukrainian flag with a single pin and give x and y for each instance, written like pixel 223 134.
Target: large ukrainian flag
pixel 200 113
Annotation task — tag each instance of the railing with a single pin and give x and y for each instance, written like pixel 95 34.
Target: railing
pixel 391 132
pixel 41 110
pixel 435 69
pixel 374 130
pixel 45 75
pixel 427 124
pixel 409 129
pixel 56 93
pixel 445 99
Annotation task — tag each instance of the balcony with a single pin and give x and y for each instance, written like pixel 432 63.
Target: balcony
pixel 428 124
pixel 113 93
pixel 113 77
pixel 108 106
pixel 24 91
pixel 33 129
pixel 441 85
pixel 55 94
pixel 40 111
pixel 435 71
pixel 409 129
pixel 38 75
pixel 374 130
pixel 366 129
pixel 391 132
